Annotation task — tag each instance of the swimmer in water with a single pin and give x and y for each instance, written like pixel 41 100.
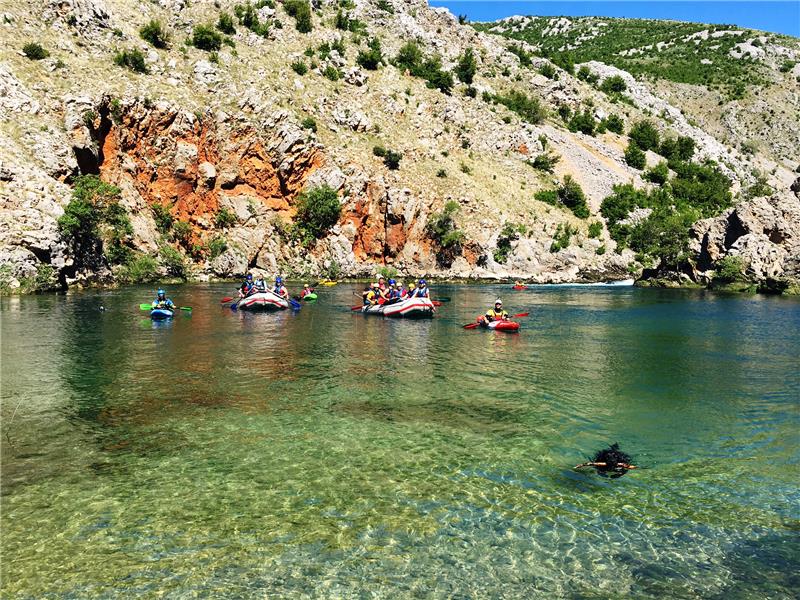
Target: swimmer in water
pixel 610 462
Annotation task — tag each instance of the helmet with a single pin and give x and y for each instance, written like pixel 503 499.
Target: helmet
pixel 381 277
pixel 279 279
pixel 392 282
pixel 498 301
pixel 411 286
pixel 161 293
pixel 375 284
pixel 422 282
pixel 305 285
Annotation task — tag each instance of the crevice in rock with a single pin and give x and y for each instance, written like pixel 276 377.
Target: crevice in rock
pixel 734 230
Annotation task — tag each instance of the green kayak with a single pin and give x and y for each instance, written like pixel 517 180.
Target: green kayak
pixel 309 297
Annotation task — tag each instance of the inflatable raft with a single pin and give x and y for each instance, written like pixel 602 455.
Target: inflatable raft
pixel 413 308
pixel 159 314
pixel 263 301
pixel 500 325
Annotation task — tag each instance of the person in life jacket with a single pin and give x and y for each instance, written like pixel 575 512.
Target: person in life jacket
pixel 307 289
pixel 162 301
pixel 248 287
pixel 497 313
pixel 421 290
pixel 382 283
pixel 392 293
pixel 372 297
pixel 279 289
pixel 260 285
pixel 410 290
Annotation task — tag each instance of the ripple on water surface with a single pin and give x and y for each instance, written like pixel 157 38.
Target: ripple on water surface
pixel 329 454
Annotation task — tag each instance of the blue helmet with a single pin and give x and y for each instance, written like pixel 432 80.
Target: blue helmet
pixel 392 282
pixel 278 280
pixel 422 282
pixel 249 277
pixel 161 293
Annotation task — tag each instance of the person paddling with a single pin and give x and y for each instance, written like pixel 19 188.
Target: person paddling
pixel 610 462
pixel 307 289
pixel 279 289
pixel 247 287
pixel 162 301
pixel 497 313
pixel 421 290
pixel 260 285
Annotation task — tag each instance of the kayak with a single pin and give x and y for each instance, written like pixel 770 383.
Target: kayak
pixel 328 283
pixel 501 325
pixel 309 297
pixel 263 301
pixel 413 308
pixel 520 287
pixel 159 314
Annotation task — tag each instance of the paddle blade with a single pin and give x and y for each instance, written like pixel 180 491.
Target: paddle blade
pixel 189 308
pixel 470 325
pixel 521 315
pixel 224 300
pixel 145 306
pixel 442 300
pixel 359 307
pixel 436 303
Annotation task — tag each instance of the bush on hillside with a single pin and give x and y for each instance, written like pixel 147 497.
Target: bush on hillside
pixel 645 135
pixel 225 23
pixel 35 51
pixel 658 174
pixel 372 58
pixel 613 123
pixel 530 109
pixel 583 122
pixel 442 229
pixel 131 59
pixel 635 157
pixel 467 66
pixel 546 161
pixel 729 269
pixel 154 33
pixel 613 85
pixel 205 37
pixel 301 11
pixel 571 195
pixel 317 211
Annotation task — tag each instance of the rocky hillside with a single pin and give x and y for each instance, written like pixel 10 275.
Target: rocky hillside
pixel 140 139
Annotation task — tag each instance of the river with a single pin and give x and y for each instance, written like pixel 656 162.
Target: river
pixel 328 454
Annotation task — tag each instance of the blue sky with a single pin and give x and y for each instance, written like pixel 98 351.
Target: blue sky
pixel 781 16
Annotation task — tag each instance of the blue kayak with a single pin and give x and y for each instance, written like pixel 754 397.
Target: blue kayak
pixel 159 314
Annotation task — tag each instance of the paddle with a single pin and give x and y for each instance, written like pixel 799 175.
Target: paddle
pixel 516 316
pixel 295 304
pixel 150 307
pixel 225 300
pixel 359 307
pixel 441 299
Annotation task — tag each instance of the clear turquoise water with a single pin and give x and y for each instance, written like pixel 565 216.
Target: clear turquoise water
pixel 328 454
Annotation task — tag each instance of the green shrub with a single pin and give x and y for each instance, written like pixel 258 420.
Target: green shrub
pixel 464 168
pixel 645 135
pixel 309 123
pixel 508 234
pixel 411 58
pixel 299 67
pixel 585 74
pixel 173 261
pixel 162 217
pixel 154 33
pixel 635 157
pixel 217 246
pixel 224 218
pixel 759 188
pixel 529 109
pixel 524 57
pixel 601 250
pixel 332 73
pixel 181 231
pixel 614 123
pixel 42 281
pixel 132 59
pixel 471 92
pixel 658 174
pixel 562 237
pixel 392 160
pixel 583 122
pixel 547 196
pixel 571 195
pixel 205 37
pixel 342 21
pixel 379 151
pixel 317 211
pixel 548 70
pixel 441 173
pixel 225 23
pixel 677 149
pixel 442 229
pixel 595 229
pixel 301 11
pixel 248 16
pixel 385 6
pixel 613 85
pixel 564 112
pixel 545 162
pixel 35 51
pixel 729 269
pixel 467 66
pixel 372 58
pixel 139 268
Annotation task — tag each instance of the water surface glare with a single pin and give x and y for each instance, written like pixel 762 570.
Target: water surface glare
pixel 328 454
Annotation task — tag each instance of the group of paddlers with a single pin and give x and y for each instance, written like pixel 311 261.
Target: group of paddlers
pixel 390 292
pixel 252 286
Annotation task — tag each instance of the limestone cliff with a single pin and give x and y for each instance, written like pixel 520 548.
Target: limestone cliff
pixel 243 130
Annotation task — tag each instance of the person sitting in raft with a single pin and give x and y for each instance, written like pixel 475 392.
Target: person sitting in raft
pixel 610 462
pixel 422 290
pixel 497 313
pixel 410 290
pixel 307 289
pixel 280 289
pixel 248 287
pixel 162 301
pixel 260 285
pixel 372 297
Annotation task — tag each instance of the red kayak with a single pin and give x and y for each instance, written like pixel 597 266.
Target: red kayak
pixel 506 325
pixel 520 287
